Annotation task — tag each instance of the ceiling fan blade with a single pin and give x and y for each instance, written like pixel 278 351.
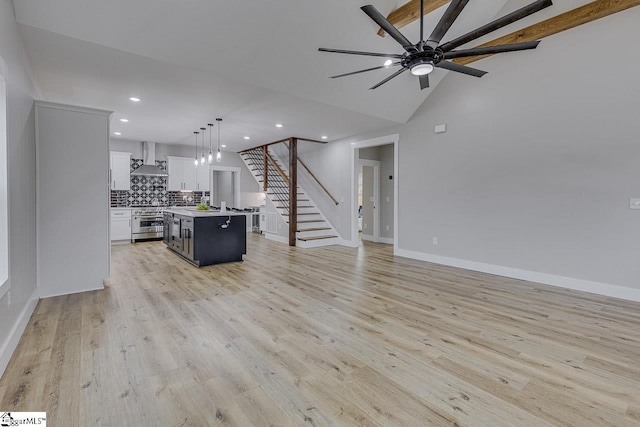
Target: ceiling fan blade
pixel 357 52
pixel 498 23
pixel 450 15
pixel 424 81
pixel 364 71
pixel 396 74
pixel 490 50
pixel 379 19
pixel 452 66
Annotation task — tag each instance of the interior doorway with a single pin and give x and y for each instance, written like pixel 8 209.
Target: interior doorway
pixel 381 152
pixel 225 186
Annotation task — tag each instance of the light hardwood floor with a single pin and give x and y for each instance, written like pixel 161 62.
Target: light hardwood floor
pixel 328 336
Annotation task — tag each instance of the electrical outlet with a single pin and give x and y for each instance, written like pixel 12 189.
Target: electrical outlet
pixel 388 199
pixel 435 241
pixel 634 203
pixel 365 225
pixel 387 228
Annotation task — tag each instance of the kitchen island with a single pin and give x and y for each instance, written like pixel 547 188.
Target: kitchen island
pixel 205 237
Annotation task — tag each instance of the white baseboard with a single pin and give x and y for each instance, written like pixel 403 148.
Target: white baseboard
pixel 386 240
pixel 59 294
pixel 276 238
pixel 10 344
pixel 615 291
pixel 367 237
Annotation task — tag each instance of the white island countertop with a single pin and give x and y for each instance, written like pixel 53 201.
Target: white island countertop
pixel 195 213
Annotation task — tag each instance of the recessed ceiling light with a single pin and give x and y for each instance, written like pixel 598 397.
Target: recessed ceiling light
pixel 223 146
pixel 117 133
pixel 324 137
pixel 388 62
pixel 279 125
pixel 134 99
pixel 124 120
pixel 247 137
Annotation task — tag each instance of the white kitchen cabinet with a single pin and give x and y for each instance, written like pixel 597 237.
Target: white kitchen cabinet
pixel 183 174
pixel 175 168
pixel 190 175
pixel 120 224
pixel 203 177
pixel 120 170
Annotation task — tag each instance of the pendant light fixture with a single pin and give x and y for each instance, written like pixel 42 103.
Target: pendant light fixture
pixel 219 153
pixel 210 153
pixel 202 159
pixel 196 160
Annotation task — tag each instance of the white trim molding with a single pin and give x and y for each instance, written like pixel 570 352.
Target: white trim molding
pixel 605 289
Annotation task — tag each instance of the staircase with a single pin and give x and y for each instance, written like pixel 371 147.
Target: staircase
pixel 313 229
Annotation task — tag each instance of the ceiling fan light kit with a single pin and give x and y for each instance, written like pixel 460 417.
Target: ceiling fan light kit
pixel 421 58
pixel 422 68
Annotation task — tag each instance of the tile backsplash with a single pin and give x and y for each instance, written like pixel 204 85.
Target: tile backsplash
pixel 152 190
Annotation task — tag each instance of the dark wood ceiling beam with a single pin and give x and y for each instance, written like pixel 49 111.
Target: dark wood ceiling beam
pixel 409 12
pixel 573 18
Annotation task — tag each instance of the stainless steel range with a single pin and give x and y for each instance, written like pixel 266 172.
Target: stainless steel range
pixel 147 223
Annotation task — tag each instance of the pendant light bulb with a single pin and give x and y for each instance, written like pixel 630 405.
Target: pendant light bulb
pixel 195 162
pixel 219 153
pixel 210 152
pixel 202 159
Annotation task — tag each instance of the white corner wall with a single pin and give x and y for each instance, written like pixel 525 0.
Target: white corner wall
pixel 537 166
pixel 72 160
pixel 18 303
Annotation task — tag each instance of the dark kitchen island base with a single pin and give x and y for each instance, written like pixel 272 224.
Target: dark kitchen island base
pixel 205 238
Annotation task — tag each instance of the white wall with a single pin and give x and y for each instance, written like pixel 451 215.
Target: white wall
pixel 17 305
pixel 534 175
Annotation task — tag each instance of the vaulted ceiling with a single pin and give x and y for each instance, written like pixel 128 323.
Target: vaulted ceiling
pixel 253 63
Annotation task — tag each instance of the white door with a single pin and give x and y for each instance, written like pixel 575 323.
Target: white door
pixel 370 200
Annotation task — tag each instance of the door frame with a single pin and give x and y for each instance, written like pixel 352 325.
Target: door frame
pixel 355 148
pixel 375 164
pixel 236 182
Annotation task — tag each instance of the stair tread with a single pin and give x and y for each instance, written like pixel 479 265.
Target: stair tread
pixel 304 213
pixel 314 229
pixel 307 221
pixel 305 239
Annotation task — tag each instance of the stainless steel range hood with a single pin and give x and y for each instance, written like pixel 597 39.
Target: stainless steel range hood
pixel 149 167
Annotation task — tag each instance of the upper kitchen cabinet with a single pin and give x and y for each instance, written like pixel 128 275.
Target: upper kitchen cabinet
pixel 183 174
pixel 120 170
pixel 203 177
pixel 72 220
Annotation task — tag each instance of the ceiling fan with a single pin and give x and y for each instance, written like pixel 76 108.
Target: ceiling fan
pixel 423 56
